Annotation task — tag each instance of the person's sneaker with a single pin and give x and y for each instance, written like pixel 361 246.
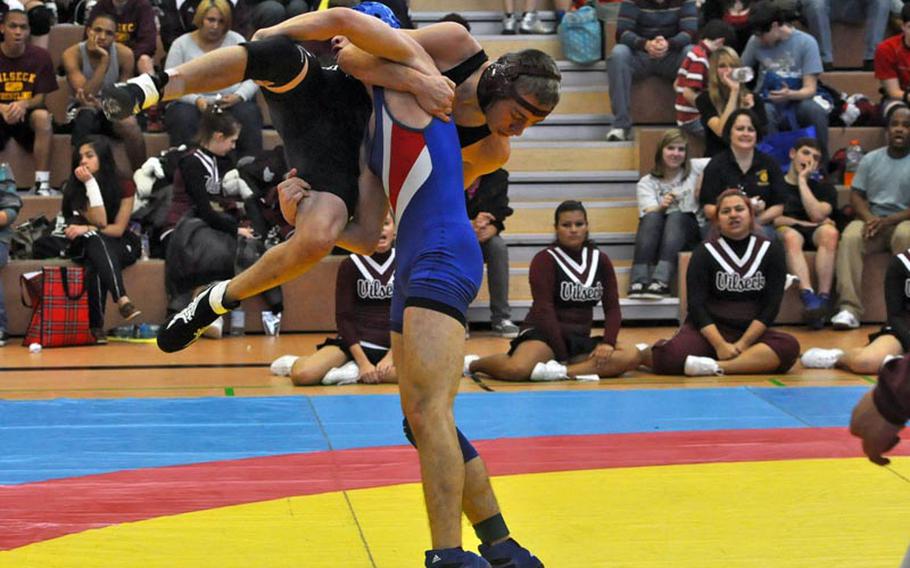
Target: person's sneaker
pixel 187 325
pixel 818 358
pixel 216 330
pixel 790 280
pixel 271 322
pixel 814 309
pixel 282 366
pixel 509 23
pixel 3 338
pixel 549 371
pixel 454 558
pixel 656 291
pixel 121 100
pixel 531 24
pixel 617 135
pixel 844 320
pixel 129 311
pixel 468 359
pixel 636 290
pixel 100 336
pixel 346 374
pixel 701 367
pixel 509 554
pixel 506 328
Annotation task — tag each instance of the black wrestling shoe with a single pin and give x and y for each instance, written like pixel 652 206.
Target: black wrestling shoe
pixel 121 100
pixel 190 323
pixel 509 554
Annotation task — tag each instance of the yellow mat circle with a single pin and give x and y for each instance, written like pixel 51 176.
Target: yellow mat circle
pixel 802 513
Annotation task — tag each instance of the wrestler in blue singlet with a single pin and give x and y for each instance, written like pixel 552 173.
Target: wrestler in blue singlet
pixel 440 265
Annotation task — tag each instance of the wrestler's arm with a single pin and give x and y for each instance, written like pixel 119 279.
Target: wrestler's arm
pixel 366 32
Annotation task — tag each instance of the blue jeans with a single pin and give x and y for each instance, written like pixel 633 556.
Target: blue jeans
pixel 4 259
pixel 659 240
pixel 820 13
pixel 624 66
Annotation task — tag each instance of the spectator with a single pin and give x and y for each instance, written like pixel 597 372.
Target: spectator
pixel 90 65
pixel 213 23
pixel 177 21
pixel 892 340
pixel 880 195
pixel 892 66
pixel 10 205
pixel 212 215
pixel 735 283
pixel 806 224
pixel 567 279
pixel 96 207
pixel 735 13
pixel 457 18
pixel 488 207
pixel 26 75
pixel 820 13
pixel 722 97
pixel 652 38
pixel 743 167
pixel 789 64
pixel 692 77
pixel 362 350
pixel 667 222
pixel 529 21
pixel 136 29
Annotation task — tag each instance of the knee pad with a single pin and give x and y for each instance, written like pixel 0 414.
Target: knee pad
pixel 468 451
pixel 277 60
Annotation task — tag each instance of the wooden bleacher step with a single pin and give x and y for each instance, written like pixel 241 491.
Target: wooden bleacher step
pixel 571 156
pixel 462 6
pixel 581 185
pixel 483 22
pixel 497 45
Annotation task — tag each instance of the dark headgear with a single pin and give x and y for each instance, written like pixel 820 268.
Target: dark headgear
pixel 498 82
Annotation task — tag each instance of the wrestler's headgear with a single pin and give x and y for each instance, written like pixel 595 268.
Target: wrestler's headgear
pixel 498 81
pixel 380 11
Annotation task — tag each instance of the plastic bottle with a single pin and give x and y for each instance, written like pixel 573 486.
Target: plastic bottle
pixel 238 322
pixel 146 246
pixel 742 74
pixel 854 155
pixel 6 174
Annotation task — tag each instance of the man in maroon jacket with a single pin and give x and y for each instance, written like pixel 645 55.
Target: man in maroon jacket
pixel 135 29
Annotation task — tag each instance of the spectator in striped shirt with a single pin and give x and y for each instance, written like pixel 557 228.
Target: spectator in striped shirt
pixel 692 77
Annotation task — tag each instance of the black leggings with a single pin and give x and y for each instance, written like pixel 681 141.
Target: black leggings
pixel 104 259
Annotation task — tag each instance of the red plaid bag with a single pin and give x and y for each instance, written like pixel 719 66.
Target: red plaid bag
pixel 59 301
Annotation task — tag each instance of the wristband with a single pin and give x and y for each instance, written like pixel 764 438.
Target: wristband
pixel 93 192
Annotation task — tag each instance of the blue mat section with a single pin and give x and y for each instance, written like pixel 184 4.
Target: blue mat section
pixel 42 440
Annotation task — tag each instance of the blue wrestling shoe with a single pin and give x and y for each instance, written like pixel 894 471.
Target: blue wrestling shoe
pixel 188 324
pixel 509 554
pixel 454 558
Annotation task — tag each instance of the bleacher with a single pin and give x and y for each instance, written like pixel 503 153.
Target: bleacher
pixel 565 157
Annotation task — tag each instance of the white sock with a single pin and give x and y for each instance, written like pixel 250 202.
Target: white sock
pixel 149 90
pixel 43 177
pixel 216 297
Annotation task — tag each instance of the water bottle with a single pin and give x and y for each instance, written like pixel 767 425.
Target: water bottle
pixel 146 246
pixel 6 175
pixel 742 74
pixel 854 155
pixel 238 322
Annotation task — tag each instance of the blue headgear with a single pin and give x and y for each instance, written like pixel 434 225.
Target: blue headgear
pixel 380 11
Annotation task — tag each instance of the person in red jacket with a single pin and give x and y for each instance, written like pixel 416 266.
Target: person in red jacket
pixel 361 351
pixel 567 279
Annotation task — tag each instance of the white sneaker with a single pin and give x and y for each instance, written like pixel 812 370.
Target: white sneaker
pixel 282 366
pixel 216 330
pixel 790 281
pixel 844 319
pixel 817 358
pixel 506 328
pixel 468 359
pixel 617 135
pixel 701 367
pixel 346 374
pixel 549 371
pixel 642 346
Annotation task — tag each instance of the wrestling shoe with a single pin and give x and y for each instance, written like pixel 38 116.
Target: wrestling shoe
pixel 509 554
pixel 817 358
pixel 282 366
pixel 186 326
pixel 549 371
pixel 347 374
pixel 454 558
pixel 121 100
pixel 701 367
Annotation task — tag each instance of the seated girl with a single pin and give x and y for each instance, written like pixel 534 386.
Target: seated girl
pixel 892 340
pixel 361 352
pixel 567 279
pixel 735 283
